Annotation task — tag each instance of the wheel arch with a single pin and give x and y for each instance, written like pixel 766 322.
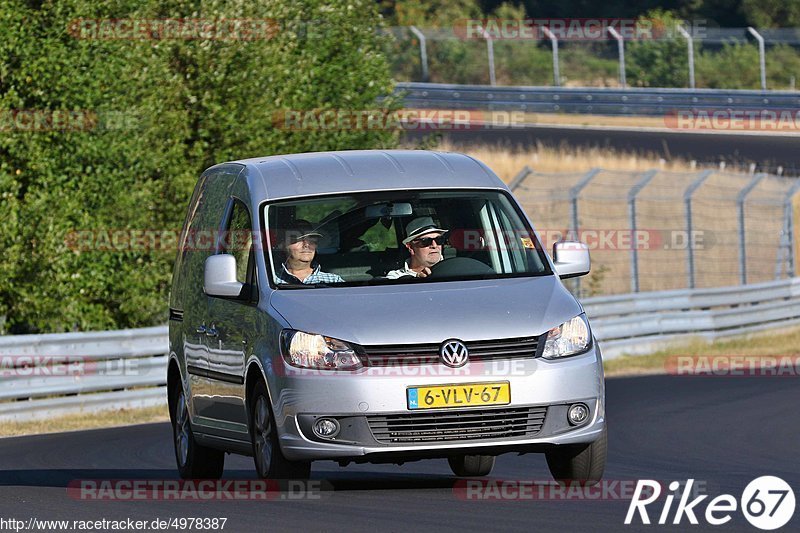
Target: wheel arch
pixel 174 379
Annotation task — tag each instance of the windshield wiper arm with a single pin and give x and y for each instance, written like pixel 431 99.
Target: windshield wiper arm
pixel 293 286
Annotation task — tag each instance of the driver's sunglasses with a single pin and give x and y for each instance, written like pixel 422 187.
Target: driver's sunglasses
pixel 310 240
pixel 426 241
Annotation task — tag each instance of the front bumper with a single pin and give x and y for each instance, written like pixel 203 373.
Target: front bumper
pixel 365 402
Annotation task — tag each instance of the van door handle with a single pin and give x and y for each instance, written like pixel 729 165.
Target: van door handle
pixel 211 332
pixel 201 329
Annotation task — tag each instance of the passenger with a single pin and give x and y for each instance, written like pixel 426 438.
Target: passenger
pixel 300 243
pixel 424 242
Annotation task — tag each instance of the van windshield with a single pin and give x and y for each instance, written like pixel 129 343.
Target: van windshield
pixel 396 237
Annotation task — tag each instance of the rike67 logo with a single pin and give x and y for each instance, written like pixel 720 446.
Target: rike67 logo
pixel 767 503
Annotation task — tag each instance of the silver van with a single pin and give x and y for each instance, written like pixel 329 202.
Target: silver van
pixel 376 306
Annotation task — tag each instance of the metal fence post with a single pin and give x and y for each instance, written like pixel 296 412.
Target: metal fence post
pixel 761 57
pixel 554 42
pixel 687 201
pixel 490 52
pixel 423 51
pixel 621 48
pixel 788 206
pixel 635 190
pixel 690 43
pixel 519 178
pixel 740 199
pixel 574 193
pixel 784 247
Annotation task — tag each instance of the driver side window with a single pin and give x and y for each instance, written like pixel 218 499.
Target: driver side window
pixel 239 242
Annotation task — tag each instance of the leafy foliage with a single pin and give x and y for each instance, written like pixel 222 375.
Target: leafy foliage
pixel 156 113
pixel 659 62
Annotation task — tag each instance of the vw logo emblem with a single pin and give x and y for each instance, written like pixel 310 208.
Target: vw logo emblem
pixel 454 353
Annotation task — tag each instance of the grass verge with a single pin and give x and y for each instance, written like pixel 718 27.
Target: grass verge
pixel 103 419
pixel 784 342
pixel 507 161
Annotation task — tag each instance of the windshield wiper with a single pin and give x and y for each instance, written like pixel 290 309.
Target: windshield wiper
pixel 293 286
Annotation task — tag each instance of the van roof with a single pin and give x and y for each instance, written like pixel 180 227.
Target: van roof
pixel 287 176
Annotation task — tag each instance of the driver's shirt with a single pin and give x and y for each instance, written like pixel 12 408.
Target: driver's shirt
pixel 400 272
pixel 405 271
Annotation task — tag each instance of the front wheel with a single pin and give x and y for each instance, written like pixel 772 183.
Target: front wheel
pixel 269 460
pixel 471 465
pixel 583 464
pixel 195 461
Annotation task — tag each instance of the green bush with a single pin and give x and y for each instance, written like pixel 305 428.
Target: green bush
pixel 783 64
pixel 167 109
pixel 589 65
pixel 662 61
pixel 735 66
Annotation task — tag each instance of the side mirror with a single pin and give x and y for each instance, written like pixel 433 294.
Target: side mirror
pixel 220 277
pixel 571 259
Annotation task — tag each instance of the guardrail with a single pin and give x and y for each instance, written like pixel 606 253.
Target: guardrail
pixel 644 322
pixel 44 376
pixel 636 101
pixel 50 375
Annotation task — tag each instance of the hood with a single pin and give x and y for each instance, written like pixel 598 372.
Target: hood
pixel 429 312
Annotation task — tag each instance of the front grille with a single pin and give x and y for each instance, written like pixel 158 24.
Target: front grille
pixel 458 425
pixel 421 354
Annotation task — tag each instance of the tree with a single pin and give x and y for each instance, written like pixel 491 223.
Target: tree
pixel 771 13
pixel 663 60
pixel 155 113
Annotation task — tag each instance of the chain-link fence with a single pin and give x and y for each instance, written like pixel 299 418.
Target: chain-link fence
pixel 731 58
pixel 659 230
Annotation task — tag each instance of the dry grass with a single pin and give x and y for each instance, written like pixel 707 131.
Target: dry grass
pixel 507 161
pixel 784 342
pixel 105 419
pixel 560 119
pixel 554 119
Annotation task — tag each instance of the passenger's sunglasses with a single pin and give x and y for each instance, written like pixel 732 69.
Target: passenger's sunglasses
pixel 426 241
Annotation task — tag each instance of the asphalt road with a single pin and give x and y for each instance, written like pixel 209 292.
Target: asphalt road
pixel 767 151
pixel 723 432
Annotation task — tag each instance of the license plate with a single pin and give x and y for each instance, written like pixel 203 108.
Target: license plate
pixel 462 395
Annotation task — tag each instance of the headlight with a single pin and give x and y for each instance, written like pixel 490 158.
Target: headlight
pixel 307 350
pixel 570 338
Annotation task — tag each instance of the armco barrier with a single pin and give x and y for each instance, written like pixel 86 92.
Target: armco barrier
pixel 54 374
pixel 643 322
pixel 127 368
pixel 635 101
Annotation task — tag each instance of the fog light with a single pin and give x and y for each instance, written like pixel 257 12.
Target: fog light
pixel 326 428
pixel 578 414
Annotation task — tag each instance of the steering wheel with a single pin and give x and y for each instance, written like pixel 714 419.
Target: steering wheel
pixel 460 266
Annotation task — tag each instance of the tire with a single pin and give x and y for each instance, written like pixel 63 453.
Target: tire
pixel 269 460
pixel 582 464
pixel 194 460
pixel 471 465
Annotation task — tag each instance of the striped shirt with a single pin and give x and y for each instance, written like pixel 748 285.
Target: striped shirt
pixel 317 276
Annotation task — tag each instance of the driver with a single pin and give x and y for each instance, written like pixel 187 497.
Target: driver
pixel 424 242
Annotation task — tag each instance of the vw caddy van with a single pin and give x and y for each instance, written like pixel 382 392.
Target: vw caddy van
pixel 303 326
